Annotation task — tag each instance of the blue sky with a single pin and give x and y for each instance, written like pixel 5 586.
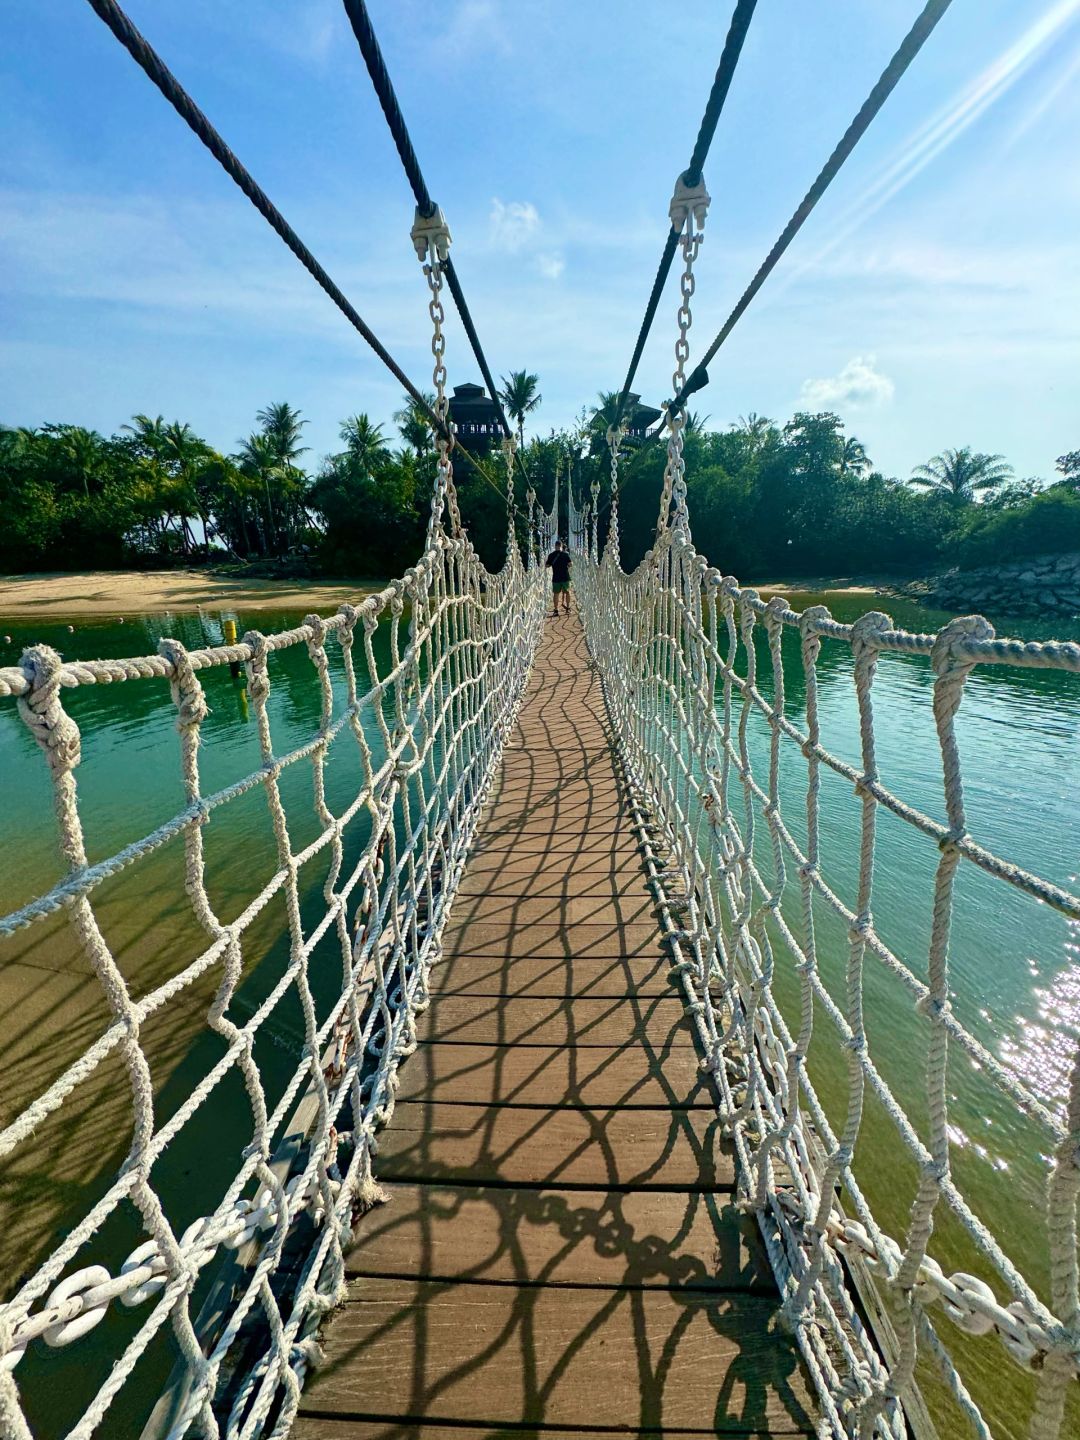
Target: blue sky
pixel 933 299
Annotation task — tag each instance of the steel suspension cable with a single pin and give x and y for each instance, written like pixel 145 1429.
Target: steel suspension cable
pixel 155 68
pixel 364 31
pixel 729 58
pixel 893 72
pixel 148 60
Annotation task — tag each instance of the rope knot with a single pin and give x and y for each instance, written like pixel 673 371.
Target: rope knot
pixel 866 636
pixel 931 1007
pixel 948 653
pixel 258 679
pixel 935 1170
pixel 859 929
pixel 49 723
pixel 775 611
pixel 811 618
pixel 187 693
pixel 317 639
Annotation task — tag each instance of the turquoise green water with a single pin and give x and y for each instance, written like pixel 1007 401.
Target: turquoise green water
pixel 1015 969
pixel 129 783
pixel 1014 962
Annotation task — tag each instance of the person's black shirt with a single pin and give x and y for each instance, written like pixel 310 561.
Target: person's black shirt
pixel 559 564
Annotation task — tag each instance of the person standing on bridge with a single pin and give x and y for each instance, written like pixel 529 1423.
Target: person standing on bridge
pixel 558 562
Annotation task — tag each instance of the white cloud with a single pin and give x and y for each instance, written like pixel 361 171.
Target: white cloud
pixel 550 265
pixel 513 223
pixel 858 383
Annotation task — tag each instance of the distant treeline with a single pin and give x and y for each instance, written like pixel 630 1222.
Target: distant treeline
pixel 765 499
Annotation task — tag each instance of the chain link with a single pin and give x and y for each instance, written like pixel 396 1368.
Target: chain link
pixel 614 439
pixel 688 209
pixel 431 240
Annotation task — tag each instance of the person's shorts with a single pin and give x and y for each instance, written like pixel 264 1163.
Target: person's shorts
pixel 560 586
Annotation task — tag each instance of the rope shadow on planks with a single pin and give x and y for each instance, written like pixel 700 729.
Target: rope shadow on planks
pixel 562 1251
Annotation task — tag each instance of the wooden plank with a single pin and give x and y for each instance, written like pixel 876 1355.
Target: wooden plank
pixel 337 1427
pixel 551 1075
pixel 562 1237
pixel 528 1355
pixel 555 976
pixel 597 941
pixel 614 1148
pixel 615 862
pixel 653 1022
pixel 543 817
pixel 565 910
pixel 536 878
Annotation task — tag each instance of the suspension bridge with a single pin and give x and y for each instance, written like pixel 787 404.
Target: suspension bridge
pixel 553 1159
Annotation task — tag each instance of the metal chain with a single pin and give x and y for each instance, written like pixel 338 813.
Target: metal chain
pixel 614 440
pixel 431 239
pixel 509 448
pixel 688 209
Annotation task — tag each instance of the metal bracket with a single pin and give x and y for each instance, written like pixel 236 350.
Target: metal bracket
pixel 431 233
pixel 689 200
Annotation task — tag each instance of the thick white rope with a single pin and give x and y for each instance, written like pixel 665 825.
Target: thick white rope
pixel 439 713
pixel 674 644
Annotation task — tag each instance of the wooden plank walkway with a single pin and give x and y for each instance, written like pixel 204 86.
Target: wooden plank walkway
pixel 561 1253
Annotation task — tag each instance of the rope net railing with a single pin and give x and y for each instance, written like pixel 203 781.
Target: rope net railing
pixel 429 699
pixel 747 886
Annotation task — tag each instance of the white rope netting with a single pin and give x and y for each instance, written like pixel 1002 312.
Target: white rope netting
pixel 675 645
pixel 460 645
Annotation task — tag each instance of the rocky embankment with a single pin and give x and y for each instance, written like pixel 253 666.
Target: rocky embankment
pixel 1039 585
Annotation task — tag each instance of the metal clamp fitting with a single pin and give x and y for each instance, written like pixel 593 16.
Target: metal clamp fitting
pixel 430 234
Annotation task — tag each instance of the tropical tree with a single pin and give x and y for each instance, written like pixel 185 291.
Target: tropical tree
pixel 853 457
pixel 1069 467
pixel 413 424
pixel 281 424
pixel 958 474
pixel 78 455
pixel 758 432
pixel 270 455
pixel 365 443
pixel 258 459
pixel 520 394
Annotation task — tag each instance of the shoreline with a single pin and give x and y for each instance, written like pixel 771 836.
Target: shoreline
pixel 106 594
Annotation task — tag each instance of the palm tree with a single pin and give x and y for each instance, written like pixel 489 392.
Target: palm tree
pixel 957 474
pixel 258 458
pixel 149 433
pixel 281 424
pixel 757 431
pixel 413 423
pixel 281 427
pixel 521 395
pixel 853 457
pixel 364 442
pixel 695 423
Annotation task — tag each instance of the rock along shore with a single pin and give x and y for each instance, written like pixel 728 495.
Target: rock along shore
pixel 1037 585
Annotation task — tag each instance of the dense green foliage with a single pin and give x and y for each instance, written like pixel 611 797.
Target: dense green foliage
pixel 766 500
pixel 804 499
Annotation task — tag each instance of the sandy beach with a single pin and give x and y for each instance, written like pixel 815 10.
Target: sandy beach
pixel 145 592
